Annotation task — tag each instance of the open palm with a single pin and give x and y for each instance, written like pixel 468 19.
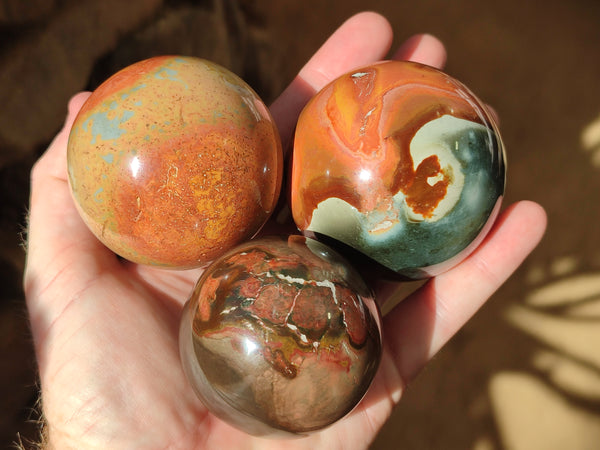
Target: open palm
pixel 106 331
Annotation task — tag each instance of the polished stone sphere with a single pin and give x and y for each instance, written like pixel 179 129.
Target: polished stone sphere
pixel 281 337
pixel 401 163
pixel 174 160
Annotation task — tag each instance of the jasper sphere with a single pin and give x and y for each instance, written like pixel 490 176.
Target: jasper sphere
pixel 281 337
pixel 400 162
pixel 173 160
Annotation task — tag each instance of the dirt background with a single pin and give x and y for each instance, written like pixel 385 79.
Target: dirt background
pixel 525 372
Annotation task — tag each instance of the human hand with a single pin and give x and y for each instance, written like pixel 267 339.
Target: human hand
pixel 106 331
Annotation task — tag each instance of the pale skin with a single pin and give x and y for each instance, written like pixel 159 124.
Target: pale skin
pixel 105 331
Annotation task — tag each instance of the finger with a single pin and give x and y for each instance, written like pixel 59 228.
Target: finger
pixel 52 218
pixel 422 323
pixel 57 237
pixel 361 40
pixel 54 223
pixel 53 162
pixel 424 49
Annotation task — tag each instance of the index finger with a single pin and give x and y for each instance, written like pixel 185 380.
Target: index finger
pixel 362 39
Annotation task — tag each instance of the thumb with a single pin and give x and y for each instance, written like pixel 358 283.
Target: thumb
pixel 62 254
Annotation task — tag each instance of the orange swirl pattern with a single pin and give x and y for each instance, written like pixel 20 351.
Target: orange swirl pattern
pixel 364 122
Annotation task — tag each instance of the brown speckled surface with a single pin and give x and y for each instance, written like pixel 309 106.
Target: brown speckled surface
pixel 174 160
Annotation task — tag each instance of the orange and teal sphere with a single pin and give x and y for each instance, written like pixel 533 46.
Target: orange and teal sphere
pixel 174 160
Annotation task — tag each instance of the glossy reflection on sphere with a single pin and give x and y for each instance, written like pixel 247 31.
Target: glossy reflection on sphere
pixel 400 162
pixel 174 160
pixel 280 337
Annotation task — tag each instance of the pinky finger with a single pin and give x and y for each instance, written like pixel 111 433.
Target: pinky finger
pixel 422 323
